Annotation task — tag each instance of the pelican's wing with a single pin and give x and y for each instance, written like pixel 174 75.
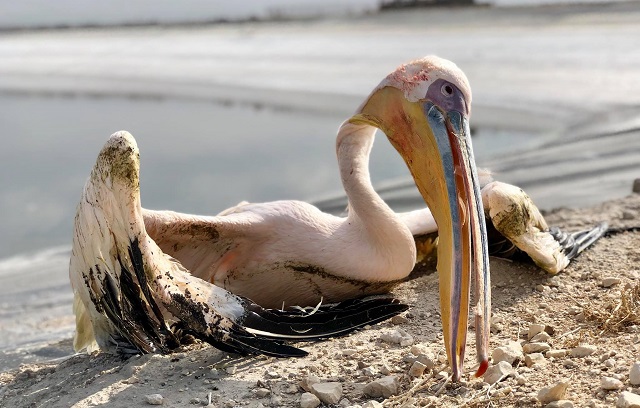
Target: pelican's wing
pixel 129 291
pixel 517 226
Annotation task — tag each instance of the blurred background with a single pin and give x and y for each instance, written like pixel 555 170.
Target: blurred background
pixel 233 101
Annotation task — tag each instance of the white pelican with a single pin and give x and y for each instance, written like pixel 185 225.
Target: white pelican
pixel 126 288
pixel 289 252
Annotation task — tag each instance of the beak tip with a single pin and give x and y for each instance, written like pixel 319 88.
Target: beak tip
pixel 484 365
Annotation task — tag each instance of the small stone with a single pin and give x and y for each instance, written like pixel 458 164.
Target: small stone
pixel 399 320
pixel 534 329
pixel 542 288
pixel 560 404
pixel 636 186
pixel 583 351
pixel 291 389
pixel 273 374
pixel 561 353
pixel 369 371
pixel 628 399
pixel 417 369
pixel 498 372
pixel 308 400
pixel 349 352
pixel 397 336
pixel 231 370
pixel 195 401
pixel 418 349
pixel 610 384
pixel 554 393
pixel 262 392
pixel 382 387
pixel 307 382
pixel 634 374
pixel 543 337
pixel 609 282
pixel 510 353
pixel 536 348
pixel 372 404
pixel 154 399
pixel 534 359
pixel 427 360
pixel 329 392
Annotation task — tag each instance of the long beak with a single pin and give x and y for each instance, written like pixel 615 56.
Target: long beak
pixel 436 147
pixel 462 248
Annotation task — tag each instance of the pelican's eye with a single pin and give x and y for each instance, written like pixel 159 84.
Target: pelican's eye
pixel 447 90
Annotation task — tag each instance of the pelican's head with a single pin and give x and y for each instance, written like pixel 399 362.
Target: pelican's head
pixel 423 107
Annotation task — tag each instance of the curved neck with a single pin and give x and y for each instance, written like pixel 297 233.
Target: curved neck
pixel 366 207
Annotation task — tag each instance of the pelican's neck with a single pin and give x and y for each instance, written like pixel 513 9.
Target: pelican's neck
pixel 366 208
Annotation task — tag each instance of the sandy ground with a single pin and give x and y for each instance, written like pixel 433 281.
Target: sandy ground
pixel 522 296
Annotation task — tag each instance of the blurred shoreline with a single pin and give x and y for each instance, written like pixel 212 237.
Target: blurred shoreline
pixel 74 14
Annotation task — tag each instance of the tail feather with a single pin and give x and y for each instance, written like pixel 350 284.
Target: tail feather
pixel 326 321
pixel 575 243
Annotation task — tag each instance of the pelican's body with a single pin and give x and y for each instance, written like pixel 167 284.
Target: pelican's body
pixel 291 253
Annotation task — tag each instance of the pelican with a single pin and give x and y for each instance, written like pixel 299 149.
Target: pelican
pixel 126 289
pixel 289 252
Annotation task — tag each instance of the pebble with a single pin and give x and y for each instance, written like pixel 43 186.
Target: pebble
pixel 273 374
pixel 498 372
pixel 536 348
pixel 534 329
pixel 397 336
pixel 328 392
pixel 628 399
pixel 372 404
pixel 543 337
pixel 561 353
pixel 560 404
pixel 534 358
pixel 542 288
pixel 636 186
pixel 262 392
pixel 427 360
pixel 554 393
pixel 231 370
pixel 154 399
pixel 308 400
pixel 417 369
pixel 382 387
pixel 349 352
pixel 583 351
pixel 369 371
pixel 611 384
pixel 418 349
pixel 399 320
pixel 510 353
pixel 609 282
pixel 307 382
pixel 634 374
